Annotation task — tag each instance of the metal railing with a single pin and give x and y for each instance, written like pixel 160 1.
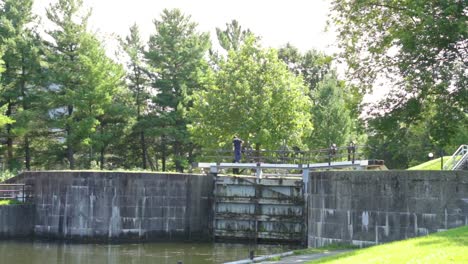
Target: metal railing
pixel 19 192
pixel 286 156
pixel 459 157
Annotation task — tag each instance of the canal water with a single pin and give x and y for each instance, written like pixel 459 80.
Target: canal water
pixel 39 252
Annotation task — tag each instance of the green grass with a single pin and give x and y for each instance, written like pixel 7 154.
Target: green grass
pixel 444 247
pixel 430 165
pixel 9 202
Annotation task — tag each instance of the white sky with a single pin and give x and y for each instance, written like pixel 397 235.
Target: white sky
pixel 300 22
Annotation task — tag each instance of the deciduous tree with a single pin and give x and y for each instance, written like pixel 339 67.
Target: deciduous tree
pixel 253 95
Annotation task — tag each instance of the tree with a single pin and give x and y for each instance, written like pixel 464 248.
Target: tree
pixel 100 102
pixel 233 36
pixel 419 47
pixel 85 83
pixel 253 95
pixel 22 77
pixel 331 118
pixel 318 74
pixel 312 66
pixel 3 119
pixel 138 83
pixel 176 51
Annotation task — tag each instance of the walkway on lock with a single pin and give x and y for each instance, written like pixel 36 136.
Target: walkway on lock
pixel 286 160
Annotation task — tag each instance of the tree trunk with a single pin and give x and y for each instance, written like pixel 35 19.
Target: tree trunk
pixel 144 153
pixel 178 156
pixel 70 151
pixel 27 153
pixel 102 160
pixel 257 152
pixel 163 154
pixel 9 127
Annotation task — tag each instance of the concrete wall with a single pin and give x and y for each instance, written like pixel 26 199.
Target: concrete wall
pixel 120 206
pixel 16 221
pixel 371 207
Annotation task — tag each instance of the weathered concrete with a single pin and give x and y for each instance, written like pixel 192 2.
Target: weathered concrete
pixel 370 207
pixel 115 206
pixel 16 221
pixel 259 209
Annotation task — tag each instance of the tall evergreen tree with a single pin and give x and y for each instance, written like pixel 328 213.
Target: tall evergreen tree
pixel 176 51
pixel 138 82
pixel 85 82
pixel 22 75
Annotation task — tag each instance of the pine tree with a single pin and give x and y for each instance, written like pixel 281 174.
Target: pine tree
pixel 22 77
pixel 176 50
pixel 85 83
pixel 138 83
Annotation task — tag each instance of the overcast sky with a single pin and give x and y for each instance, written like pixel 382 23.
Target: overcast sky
pixel 300 22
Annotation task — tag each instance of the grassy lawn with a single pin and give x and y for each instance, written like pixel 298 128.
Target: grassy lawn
pixel 430 165
pixel 9 202
pixel 443 247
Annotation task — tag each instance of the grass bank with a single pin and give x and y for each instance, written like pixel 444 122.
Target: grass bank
pixel 430 165
pixel 444 247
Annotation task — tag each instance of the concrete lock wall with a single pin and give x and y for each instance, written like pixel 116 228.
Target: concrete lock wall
pixel 120 206
pixel 371 207
pixel 16 220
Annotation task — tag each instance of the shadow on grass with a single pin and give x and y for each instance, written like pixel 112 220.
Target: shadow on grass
pixel 446 239
pixel 458 236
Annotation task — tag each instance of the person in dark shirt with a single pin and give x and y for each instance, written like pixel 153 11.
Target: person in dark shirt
pixel 237 142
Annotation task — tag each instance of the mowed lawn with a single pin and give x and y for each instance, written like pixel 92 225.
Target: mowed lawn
pixel 444 247
pixel 430 165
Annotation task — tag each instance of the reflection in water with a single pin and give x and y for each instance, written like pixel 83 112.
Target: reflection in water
pixel 26 252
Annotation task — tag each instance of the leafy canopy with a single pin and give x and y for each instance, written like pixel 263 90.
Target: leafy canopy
pixel 253 95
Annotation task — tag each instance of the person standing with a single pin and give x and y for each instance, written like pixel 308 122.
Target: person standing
pixel 237 142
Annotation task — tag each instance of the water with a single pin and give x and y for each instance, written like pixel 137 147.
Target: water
pixel 27 252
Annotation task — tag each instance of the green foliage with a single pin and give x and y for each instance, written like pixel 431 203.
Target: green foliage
pixel 253 95
pixel 138 82
pixel 4 119
pixel 312 66
pixel 7 174
pixel 176 52
pixel 233 37
pixel 443 247
pixel 331 118
pixel 420 48
pixel 334 96
pixel 22 78
pixel 87 84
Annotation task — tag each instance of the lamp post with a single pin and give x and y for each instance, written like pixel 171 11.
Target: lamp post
pixel 430 155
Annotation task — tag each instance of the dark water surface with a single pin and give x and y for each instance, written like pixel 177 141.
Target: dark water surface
pixel 28 252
